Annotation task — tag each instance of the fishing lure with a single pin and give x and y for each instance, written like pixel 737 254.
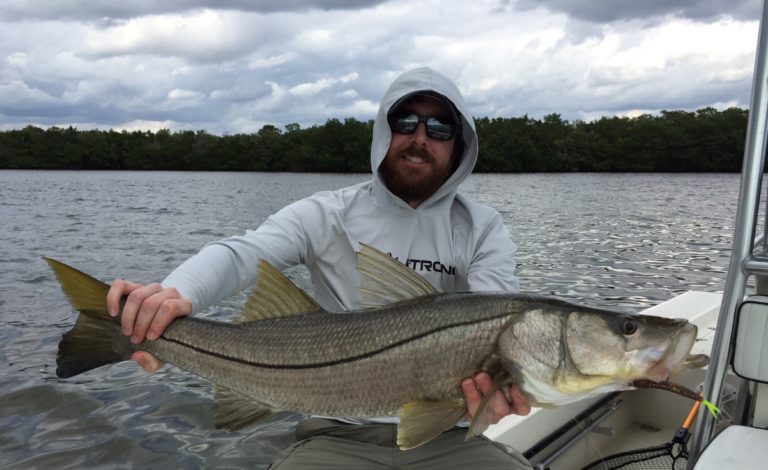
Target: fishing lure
pixel 680 390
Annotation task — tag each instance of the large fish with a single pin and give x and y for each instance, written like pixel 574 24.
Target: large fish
pixel 403 355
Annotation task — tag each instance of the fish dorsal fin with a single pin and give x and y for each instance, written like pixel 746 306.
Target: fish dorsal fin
pixel 385 280
pixel 237 411
pixel 423 420
pixel 86 294
pixel 276 296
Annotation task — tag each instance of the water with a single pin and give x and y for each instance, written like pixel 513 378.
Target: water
pixel 620 241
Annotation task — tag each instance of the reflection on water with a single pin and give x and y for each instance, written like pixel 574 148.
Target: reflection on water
pixel 618 241
pixel 615 240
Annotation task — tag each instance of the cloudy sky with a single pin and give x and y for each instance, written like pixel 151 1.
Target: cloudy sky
pixel 232 66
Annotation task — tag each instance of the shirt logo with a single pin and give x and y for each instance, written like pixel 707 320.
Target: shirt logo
pixel 428 265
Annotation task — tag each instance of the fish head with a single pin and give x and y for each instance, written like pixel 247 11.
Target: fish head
pixel 564 355
pixel 622 347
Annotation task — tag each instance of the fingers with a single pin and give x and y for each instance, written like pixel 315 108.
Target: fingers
pixel 476 388
pixel 116 292
pixel 519 404
pixel 168 312
pixel 147 312
pixel 139 311
pixel 148 309
pixel 147 361
pixel 157 311
pixel 471 396
pixel 484 382
pixel 480 385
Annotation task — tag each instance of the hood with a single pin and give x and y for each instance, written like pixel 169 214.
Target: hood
pixel 420 80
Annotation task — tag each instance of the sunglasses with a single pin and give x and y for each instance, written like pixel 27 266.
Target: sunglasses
pixel 438 128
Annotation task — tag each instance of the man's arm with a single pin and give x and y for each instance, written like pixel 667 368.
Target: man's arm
pixel 219 270
pixel 492 267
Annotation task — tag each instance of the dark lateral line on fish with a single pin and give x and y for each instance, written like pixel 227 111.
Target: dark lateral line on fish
pixel 327 363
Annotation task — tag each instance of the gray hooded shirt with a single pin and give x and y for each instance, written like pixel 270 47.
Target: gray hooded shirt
pixel 456 244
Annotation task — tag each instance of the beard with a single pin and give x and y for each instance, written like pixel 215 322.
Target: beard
pixel 412 185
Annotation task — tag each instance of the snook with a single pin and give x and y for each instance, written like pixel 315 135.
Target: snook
pixel 404 355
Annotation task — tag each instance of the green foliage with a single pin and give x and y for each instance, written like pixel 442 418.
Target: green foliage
pixel 673 141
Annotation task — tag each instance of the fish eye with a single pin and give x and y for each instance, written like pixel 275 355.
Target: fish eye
pixel 627 326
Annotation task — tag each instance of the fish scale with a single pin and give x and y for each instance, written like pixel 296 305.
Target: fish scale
pixel 329 337
pixel 346 366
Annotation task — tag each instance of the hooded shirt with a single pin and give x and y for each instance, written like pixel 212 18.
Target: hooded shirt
pixel 456 244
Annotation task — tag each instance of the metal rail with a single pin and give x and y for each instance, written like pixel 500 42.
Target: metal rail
pixel 743 263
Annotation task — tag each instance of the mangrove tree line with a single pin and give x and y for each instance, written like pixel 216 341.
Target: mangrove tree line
pixel 673 141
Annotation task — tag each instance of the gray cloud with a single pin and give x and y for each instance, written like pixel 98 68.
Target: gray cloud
pixel 106 12
pixel 605 11
pixel 227 70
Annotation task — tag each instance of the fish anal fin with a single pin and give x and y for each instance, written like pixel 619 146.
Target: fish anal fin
pixel 385 280
pixel 276 296
pixel 423 420
pixel 237 411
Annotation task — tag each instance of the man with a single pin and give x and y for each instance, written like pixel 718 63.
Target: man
pixel 424 145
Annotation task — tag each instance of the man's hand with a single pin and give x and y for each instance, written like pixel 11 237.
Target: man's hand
pixel 147 312
pixel 480 385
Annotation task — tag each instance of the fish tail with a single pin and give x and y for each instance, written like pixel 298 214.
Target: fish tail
pixel 96 339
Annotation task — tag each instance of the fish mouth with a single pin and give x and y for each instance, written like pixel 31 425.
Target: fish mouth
pixel 678 357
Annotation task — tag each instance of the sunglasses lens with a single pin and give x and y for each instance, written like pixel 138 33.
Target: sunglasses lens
pixel 405 124
pixel 437 128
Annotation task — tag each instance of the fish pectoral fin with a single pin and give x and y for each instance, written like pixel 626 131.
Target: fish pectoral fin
pixel 484 414
pixel 276 296
pixel 385 280
pixel 422 421
pixel 237 411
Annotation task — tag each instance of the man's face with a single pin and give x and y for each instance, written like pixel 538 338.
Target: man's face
pixel 416 165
